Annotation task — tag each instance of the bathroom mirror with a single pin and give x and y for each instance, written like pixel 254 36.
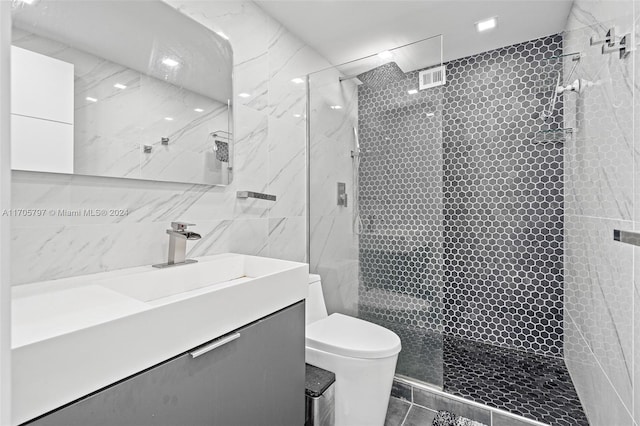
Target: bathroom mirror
pixel 127 89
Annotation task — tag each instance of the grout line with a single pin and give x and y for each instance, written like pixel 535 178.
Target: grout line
pixel 600 218
pixel 404 419
pixel 633 338
pixel 41 118
pixel 600 366
pixel 410 407
pixel 634 138
pixel 426 408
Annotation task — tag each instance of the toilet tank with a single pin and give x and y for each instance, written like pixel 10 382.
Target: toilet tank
pixel 316 309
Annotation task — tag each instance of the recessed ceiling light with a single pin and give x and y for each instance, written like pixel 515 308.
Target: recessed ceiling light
pixel 487 24
pixel 412 91
pixel 198 110
pixel 335 107
pixel 170 62
pixel 169 118
pixel 244 95
pixel 119 86
pixel 90 99
pixel 297 80
pixel 385 55
pixel 223 35
pixel 297 115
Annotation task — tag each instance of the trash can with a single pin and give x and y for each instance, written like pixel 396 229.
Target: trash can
pixel 319 397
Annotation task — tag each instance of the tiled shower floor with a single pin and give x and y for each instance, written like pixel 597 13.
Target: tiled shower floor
pixel 533 386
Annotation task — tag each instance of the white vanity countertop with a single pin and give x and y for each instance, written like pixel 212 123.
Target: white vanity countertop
pixel 47 309
pixel 73 336
pixel 42 316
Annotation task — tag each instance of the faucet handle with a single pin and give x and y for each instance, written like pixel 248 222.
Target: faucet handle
pixel 181 226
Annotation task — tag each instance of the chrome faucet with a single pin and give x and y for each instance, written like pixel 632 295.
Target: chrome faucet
pixel 178 236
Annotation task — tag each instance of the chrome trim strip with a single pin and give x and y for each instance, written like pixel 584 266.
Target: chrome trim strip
pixel 258 195
pixel 627 237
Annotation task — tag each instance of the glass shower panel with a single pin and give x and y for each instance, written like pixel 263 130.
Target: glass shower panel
pixel 333 243
pixel 375 129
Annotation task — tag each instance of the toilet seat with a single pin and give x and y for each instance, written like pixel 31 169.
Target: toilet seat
pixel 352 337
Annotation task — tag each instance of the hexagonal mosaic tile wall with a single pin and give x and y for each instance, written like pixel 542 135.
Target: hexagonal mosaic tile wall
pixel 462 201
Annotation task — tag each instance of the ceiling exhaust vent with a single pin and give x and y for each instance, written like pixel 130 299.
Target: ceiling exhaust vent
pixel 433 77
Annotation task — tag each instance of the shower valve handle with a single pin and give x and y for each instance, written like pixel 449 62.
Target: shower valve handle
pixel 342 194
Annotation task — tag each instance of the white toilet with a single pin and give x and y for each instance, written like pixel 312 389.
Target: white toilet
pixel 361 354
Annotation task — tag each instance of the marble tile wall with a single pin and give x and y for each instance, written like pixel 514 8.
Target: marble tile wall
pixel 333 237
pixel 270 157
pixel 600 195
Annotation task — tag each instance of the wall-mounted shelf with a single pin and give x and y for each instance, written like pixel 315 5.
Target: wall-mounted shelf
pixel 258 195
pixel 573 56
pixel 222 134
pixel 553 72
pixel 553 136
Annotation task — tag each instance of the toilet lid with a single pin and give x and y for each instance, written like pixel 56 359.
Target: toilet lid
pixel 352 337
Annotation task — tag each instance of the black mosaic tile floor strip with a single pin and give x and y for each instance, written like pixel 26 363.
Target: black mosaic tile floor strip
pixel 533 386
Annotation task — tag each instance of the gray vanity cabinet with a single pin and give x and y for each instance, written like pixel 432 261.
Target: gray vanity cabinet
pixel 256 379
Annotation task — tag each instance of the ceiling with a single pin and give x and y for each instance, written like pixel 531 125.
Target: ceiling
pixel 345 30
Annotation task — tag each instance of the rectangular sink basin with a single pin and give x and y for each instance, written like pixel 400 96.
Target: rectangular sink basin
pixel 160 283
pixel 71 337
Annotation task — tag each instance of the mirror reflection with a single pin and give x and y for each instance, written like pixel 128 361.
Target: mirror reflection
pixel 120 89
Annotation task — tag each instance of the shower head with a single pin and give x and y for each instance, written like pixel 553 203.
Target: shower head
pixel 381 76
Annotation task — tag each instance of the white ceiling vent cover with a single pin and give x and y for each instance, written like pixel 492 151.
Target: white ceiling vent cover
pixel 433 77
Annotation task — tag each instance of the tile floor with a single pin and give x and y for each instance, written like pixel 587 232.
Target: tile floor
pixel 533 386
pixel 403 413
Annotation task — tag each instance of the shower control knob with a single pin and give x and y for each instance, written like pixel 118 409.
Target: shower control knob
pixel 342 194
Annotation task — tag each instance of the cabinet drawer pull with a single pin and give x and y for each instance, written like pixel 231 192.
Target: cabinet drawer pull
pixel 213 345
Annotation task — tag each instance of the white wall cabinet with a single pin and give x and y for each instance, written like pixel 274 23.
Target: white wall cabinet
pixel 41 112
